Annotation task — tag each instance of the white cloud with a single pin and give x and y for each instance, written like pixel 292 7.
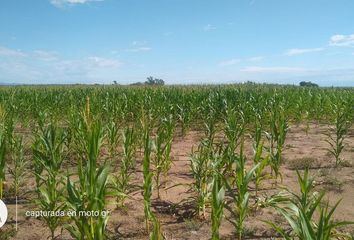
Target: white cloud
pixel 139 49
pixel 17 71
pixel 45 55
pixel 209 28
pixel 104 62
pixel 61 3
pixel 7 52
pixel 342 40
pixel 41 66
pixel 255 59
pixel 138 46
pixel 273 70
pixel 299 51
pixel 229 62
pixel 139 43
pixel 85 65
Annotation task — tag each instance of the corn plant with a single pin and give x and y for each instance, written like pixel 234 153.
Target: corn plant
pixel 262 163
pixel 49 155
pixel 217 205
pixel 184 118
pixel 121 181
pixel 162 144
pixel 130 138
pixel 276 138
pixel 90 192
pixel 148 175
pixel 240 196
pixel 113 138
pixel 258 129
pixel 234 129
pixel 19 164
pixel 342 124
pixel 2 162
pixel 156 233
pixel 299 211
pixel 258 146
pixel 201 170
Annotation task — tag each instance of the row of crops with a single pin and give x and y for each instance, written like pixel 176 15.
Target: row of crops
pixel 82 147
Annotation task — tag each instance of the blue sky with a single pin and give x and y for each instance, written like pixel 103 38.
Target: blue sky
pixel 180 41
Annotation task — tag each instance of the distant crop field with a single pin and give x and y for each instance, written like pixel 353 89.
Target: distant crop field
pixel 243 161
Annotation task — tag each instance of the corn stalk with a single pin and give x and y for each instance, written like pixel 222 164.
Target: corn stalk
pixel 90 192
pixel 217 205
pixel 240 196
pixel 341 126
pixel 299 210
pixel 48 154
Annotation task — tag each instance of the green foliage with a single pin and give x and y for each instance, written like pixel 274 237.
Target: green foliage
pixel 121 181
pixel 154 81
pixel 156 233
pixel 148 175
pixel 308 84
pixel 341 125
pixel 149 118
pixel 201 168
pixel 299 211
pixel 262 162
pixel 217 205
pixel 2 162
pixel 48 152
pixel 240 196
pixel 19 164
pixel 89 193
pixel 113 138
pixel 163 142
pixel 276 137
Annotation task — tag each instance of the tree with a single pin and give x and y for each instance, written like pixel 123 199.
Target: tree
pixel 308 84
pixel 154 81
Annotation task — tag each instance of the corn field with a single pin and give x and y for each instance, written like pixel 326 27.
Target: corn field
pixel 176 162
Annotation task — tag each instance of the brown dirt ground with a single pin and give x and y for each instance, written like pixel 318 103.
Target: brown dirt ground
pixel 176 219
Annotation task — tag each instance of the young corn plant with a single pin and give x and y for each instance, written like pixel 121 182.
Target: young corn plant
pixel 341 126
pixel 90 192
pixel 262 163
pixel 162 161
pixel 130 140
pixel 2 163
pixel 19 164
pixel 258 129
pixel 3 148
pixel 234 129
pixel 49 155
pixel 201 168
pixel 148 177
pixel 184 118
pixel 113 139
pixel 217 205
pixel 299 211
pixel 156 233
pixel 201 160
pixel 276 137
pixel 240 196
pixel 258 147
pixel 121 181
